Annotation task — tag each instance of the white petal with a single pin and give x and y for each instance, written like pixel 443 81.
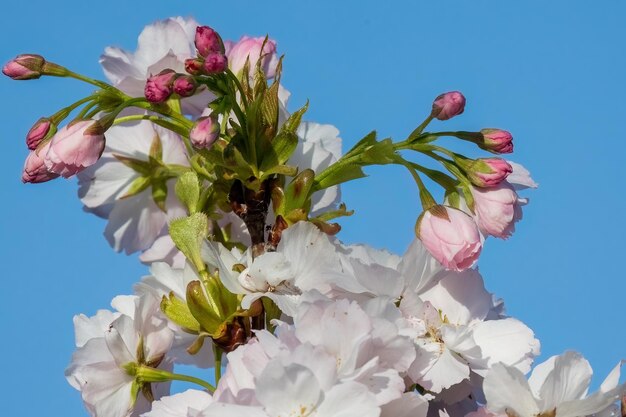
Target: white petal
pixel 349 399
pixel 506 388
pixel 409 404
pixel 569 380
pixel 86 328
pixel 180 405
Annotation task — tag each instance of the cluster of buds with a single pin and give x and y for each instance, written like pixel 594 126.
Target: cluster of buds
pixel 211 58
pixel 160 87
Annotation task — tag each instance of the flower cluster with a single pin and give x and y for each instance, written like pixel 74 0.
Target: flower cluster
pixel 232 199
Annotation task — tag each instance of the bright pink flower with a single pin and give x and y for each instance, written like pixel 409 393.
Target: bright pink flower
pixel 160 87
pixel 215 63
pixel 194 66
pixel 205 132
pixel 497 209
pixel 35 170
pixel 496 141
pixel 185 86
pixel 38 132
pixel 451 236
pixel 448 105
pixel 24 67
pixel 208 41
pixel 251 48
pixel 489 172
pixel 75 147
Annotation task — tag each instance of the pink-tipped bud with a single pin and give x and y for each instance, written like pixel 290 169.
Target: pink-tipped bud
pixel 185 85
pixel 496 141
pixel 448 105
pixel 35 170
pixel 208 41
pixel 160 87
pixel 215 63
pixel 194 66
pixel 42 129
pixel 205 132
pixel 451 236
pixel 24 67
pixel 75 147
pixel 488 172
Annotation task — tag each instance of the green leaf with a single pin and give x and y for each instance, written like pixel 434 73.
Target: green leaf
pixel 188 234
pixel 188 191
pixel 298 192
pixel 280 150
pixel 368 140
pixel 341 212
pixel 137 186
pixel 178 312
pixel 287 170
pixel 269 106
pixel 293 122
pixel 142 167
pixel 380 153
pixel 340 175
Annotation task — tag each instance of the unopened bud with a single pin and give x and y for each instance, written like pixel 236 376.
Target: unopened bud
pixel 160 87
pixel 488 172
pixel 208 41
pixel 194 66
pixel 185 86
pixel 215 63
pixel 448 105
pixel 41 130
pixel 35 170
pixel 205 132
pixel 496 141
pixel 24 67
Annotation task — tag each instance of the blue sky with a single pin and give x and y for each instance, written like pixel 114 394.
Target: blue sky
pixel 550 72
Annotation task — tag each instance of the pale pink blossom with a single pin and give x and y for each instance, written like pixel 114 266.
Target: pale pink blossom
pixel 250 48
pixel 35 170
pixel 451 236
pixel 448 105
pixel 75 147
pixel 497 209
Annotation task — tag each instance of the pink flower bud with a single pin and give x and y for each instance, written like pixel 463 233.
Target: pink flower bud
pixel 250 48
pixel 451 236
pixel 40 130
pixel 160 87
pixel 497 209
pixel 35 170
pixel 205 132
pixel 185 86
pixel 215 63
pixel 496 141
pixel 207 41
pixel 488 172
pixel 194 66
pixel 448 105
pixel 24 67
pixel 75 147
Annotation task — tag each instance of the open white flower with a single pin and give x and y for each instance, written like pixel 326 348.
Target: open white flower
pixel 185 404
pixel 135 221
pixel 557 387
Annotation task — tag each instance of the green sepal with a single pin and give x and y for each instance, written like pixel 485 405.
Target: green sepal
pixel 271 312
pixel 188 234
pixel 368 140
pixel 453 199
pixel 159 194
pixel 178 312
pixel 340 175
pixel 156 148
pixel 333 214
pixel 469 198
pixel 137 186
pixel 188 191
pixel 142 167
pixel 197 344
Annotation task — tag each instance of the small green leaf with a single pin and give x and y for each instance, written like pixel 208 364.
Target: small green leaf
pixel 292 123
pixel 188 191
pixel 188 234
pixel 341 212
pixel 202 310
pixel 178 312
pixel 298 192
pixel 368 140
pixel 343 174
pixel 142 167
pixel 156 148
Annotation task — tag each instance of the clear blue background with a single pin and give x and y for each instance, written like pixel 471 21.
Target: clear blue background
pixel 553 73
